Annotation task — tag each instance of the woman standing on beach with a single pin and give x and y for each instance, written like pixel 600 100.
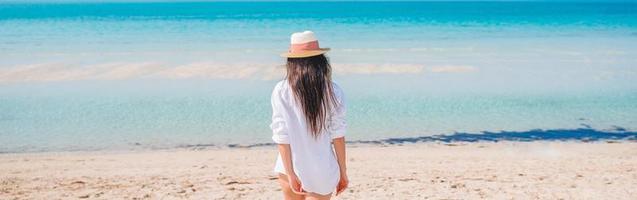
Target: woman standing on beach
pixel 308 117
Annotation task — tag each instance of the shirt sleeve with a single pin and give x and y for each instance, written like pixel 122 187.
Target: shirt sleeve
pixel 337 123
pixel 278 125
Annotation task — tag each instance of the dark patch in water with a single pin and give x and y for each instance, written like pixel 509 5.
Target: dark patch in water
pixel 195 146
pixel 586 125
pixel 251 145
pixel 580 134
pixel 619 128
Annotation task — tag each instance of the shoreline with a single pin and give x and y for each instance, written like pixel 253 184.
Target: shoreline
pixel 467 170
pixel 587 134
pixel 359 144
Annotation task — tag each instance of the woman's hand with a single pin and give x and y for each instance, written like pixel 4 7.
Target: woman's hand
pixel 342 184
pixel 295 184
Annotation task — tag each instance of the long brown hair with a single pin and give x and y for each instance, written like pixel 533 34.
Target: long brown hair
pixel 310 79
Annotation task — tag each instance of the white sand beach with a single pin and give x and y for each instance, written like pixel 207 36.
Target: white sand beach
pixel 505 170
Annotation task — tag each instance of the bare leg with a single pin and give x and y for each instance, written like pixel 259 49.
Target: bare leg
pixel 314 196
pixel 287 191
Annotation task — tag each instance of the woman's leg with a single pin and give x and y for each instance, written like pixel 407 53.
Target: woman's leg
pixel 314 196
pixel 287 191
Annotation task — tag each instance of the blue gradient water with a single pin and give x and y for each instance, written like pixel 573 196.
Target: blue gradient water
pixel 85 76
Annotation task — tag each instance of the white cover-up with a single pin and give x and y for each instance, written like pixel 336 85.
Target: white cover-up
pixel 313 160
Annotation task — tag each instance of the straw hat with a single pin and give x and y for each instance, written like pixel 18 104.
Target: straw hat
pixel 304 44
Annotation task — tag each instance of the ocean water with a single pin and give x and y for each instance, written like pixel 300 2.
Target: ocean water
pixel 117 75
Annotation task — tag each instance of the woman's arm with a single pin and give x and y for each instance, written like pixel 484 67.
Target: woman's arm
pixel 338 128
pixel 293 180
pixel 286 156
pixel 339 149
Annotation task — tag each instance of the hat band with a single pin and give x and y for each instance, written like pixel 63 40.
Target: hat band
pixel 308 46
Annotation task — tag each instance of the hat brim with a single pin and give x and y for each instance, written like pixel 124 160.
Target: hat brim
pixel 305 54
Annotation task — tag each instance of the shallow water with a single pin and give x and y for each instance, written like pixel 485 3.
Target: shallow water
pixel 77 76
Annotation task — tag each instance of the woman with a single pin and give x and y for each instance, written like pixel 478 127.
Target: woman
pixel 308 117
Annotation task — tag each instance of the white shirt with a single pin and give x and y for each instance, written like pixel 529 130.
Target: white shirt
pixel 313 160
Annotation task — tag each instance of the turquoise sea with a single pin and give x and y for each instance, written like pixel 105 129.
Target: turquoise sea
pixel 101 75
